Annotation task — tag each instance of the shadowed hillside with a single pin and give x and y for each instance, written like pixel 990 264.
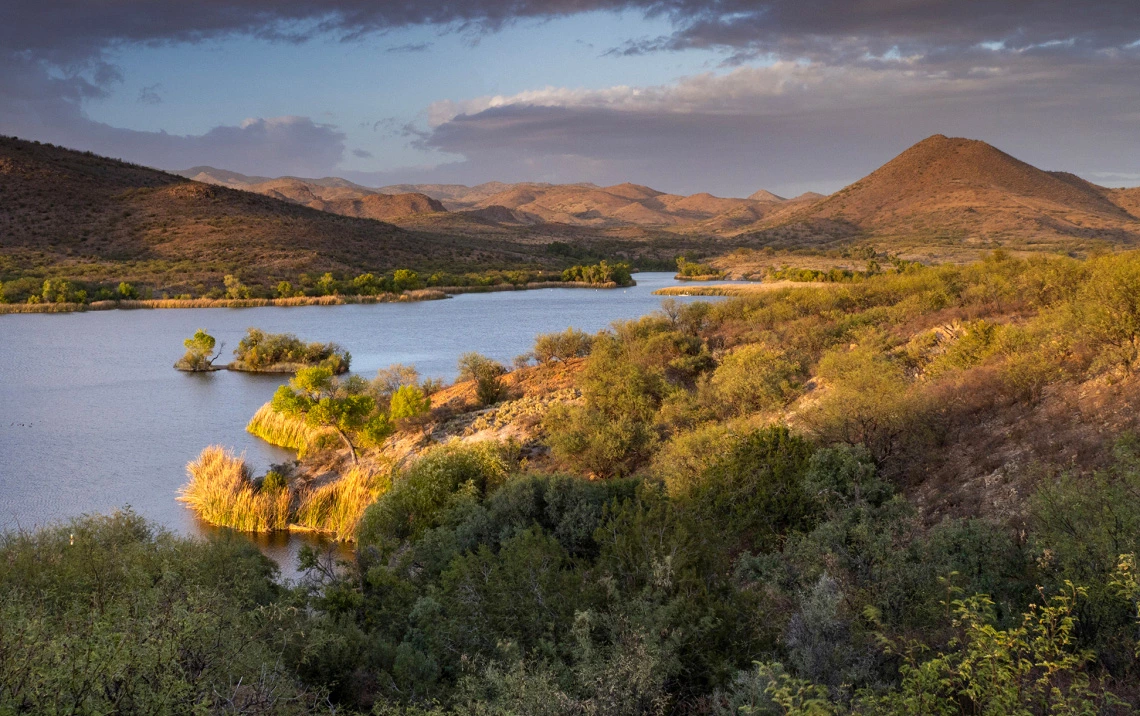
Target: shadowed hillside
pixel 67 213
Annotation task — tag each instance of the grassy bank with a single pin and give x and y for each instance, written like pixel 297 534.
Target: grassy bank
pixel 224 493
pixel 733 289
pixel 284 430
pixel 428 294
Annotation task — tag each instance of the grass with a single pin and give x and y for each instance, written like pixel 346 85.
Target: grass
pixel 223 493
pixel 743 289
pixel 420 295
pixel 283 430
pixel 336 507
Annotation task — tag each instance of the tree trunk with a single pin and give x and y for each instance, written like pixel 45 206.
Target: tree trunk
pixel 351 447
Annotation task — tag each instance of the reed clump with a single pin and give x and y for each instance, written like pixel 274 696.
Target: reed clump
pixel 223 493
pixel 287 431
pixel 337 507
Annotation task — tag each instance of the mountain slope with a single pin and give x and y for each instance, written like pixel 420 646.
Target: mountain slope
pixel 965 190
pixel 74 214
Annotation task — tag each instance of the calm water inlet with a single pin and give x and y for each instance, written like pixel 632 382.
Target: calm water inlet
pixel 95 418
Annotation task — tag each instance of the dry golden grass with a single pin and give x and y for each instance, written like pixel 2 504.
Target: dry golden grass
pixel 283 430
pixel 222 492
pixel 336 507
pixel 738 289
pixel 420 295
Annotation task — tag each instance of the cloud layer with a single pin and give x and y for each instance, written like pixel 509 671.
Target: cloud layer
pixel 841 84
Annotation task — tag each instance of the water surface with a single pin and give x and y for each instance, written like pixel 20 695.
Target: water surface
pixel 95 418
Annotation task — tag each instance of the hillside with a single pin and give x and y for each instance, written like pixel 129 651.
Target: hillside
pixel 73 214
pixel 331 194
pixel 966 192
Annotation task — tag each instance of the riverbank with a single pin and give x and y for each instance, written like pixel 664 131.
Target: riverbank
pixel 738 289
pixel 426 294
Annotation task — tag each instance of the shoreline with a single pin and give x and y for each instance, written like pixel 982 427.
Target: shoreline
pixel 738 289
pixel 424 294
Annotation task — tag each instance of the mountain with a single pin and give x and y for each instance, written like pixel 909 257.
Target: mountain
pixel 967 192
pixel 765 195
pixel 331 194
pixel 75 214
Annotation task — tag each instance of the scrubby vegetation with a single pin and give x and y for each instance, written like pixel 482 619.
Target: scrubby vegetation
pixel 911 494
pixel 600 273
pixel 199 356
pixel 687 269
pixel 259 351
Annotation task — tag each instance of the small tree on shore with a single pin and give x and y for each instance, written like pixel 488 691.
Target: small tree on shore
pixel 199 348
pixel 487 374
pixel 324 401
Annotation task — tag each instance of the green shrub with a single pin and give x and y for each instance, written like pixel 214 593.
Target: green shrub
pixel 487 375
pixel 562 346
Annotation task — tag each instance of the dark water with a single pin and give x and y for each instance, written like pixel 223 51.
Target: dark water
pixel 95 418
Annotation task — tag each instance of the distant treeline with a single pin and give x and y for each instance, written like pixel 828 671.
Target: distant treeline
pixel 35 290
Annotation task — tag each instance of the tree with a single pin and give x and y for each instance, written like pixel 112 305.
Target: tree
pixel 198 350
pixel 325 401
pixel 1108 309
pixel 408 401
pixel 235 288
pixel 127 291
pixel 405 280
pixel 487 374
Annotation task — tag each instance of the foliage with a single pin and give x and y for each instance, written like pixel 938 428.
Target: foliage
pixel 487 375
pixel 327 402
pixel 222 492
pixel 260 351
pixel 199 348
pixel 600 273
pixel 754 377
pixel 408 402
pixel 692 269
pixel 562 346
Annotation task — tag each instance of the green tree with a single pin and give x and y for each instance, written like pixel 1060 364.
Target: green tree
pixel 408 402
pixel 127 291
pixel 198 352
pixel 235 288
pixel 325 401
pixel 406 280
pixel 285 290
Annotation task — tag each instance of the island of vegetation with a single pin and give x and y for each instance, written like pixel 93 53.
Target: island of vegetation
pixel 261 352
pixel 908 494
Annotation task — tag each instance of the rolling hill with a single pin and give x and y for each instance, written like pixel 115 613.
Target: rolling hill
pixel 74 214
pixel 965 192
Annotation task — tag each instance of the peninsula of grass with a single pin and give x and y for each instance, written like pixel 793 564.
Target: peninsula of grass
pixel 223 492
pixel 287 431
pixel 261 352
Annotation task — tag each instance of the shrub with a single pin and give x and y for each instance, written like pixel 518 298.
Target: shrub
pixel 562 346
pixel 754 377
pixel 408 402
pixel 259 350
pixel 198 352
pixel 420 495
pixel 487 374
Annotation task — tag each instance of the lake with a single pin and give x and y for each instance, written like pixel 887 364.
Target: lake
pixel 95 418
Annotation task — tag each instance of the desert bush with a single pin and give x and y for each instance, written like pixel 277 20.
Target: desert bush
pixel 868 401
pixel 259 350
pixel 487 375
pixel 420 494
pixel 754 377
pixel 562 346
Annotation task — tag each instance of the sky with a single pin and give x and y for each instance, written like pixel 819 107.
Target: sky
pixel 723 96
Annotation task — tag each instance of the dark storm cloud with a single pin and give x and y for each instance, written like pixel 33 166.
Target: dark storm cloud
pixel 1027 70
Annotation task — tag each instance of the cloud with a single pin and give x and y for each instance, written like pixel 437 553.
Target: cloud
pixel 149 94
pixel 790 125
pixel 410 47
pixel 361 153
pixel 872 72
